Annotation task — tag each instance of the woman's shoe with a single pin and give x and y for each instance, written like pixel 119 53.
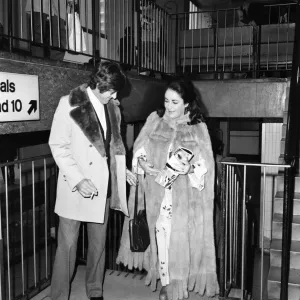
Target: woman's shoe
pixel 163 295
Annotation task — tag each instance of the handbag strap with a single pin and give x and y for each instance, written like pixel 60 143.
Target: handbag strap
pixel 136 201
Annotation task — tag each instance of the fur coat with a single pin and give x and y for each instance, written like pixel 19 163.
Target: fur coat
pixel 192 262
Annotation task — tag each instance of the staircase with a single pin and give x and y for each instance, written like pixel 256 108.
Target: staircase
pixel 274 278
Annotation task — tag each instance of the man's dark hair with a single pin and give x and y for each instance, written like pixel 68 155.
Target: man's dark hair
pixel 108 76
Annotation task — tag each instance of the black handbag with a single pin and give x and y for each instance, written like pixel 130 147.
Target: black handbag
pixel 138 227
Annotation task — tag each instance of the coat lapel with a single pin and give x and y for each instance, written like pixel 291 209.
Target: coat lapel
pixel 115 122
pixel 85 117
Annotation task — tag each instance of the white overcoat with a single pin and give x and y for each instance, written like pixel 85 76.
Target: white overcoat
pixel 77 146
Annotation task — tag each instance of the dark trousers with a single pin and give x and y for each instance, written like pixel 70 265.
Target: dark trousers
pixel 65 258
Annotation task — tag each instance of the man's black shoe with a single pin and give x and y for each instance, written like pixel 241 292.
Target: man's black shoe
pixel 96 298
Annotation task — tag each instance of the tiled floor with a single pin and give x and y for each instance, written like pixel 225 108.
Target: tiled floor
pixel 117 286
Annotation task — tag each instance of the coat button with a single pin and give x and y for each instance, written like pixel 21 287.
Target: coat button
pixel 91 163
pixel 91 146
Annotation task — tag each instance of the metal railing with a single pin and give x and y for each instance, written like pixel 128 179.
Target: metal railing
pixel 142 35
pixel 27 226
pixel 291 156
pixel 221 41
pixel 136 33
pixel 154 33
pixel 237 246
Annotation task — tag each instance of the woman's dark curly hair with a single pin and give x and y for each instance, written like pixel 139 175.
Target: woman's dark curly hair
pixel 187 92
pixel 108 76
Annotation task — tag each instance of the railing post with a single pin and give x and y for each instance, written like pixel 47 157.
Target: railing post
pixel 2 283
pixel 139 35
pixel 10 24
pixel 256 51
pixel 216 47
pixel 291 155
pixel 94 31
pixel 177 50
pixel 223 232
pixel 289 183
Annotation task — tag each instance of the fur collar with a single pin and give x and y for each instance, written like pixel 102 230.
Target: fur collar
pixel 85 117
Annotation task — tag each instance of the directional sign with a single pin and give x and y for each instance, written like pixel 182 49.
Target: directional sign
pixel 19 97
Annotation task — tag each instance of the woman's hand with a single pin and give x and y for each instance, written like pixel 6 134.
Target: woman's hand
pixel 131 178
pixel 148 167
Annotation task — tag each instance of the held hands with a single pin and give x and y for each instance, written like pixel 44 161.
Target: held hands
pixel 86 188
pixel 148 167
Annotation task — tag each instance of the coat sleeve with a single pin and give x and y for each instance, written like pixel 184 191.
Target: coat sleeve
pixel 60 144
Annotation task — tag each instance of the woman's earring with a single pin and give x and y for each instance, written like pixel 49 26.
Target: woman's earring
pixel 186 110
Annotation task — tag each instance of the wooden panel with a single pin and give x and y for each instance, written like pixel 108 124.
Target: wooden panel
pixel 260 98
pixel 235 35
pixel 196 37
pixel 277 32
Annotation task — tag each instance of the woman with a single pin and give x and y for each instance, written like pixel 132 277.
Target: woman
pixel 180 218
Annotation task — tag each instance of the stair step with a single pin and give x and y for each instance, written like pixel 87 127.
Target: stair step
pixel 277 231
pixel 279 194
pixel 277 245
pixel 278 204
pixel 275 254
pixel 278 218
pixel 274 282
pixel 274 291
pixel 275 275
pixel 280 183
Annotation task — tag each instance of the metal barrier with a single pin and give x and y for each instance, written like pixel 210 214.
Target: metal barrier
pixel 132 32
pixel 27 226
pixel 237 242
pixel 219 41
pixel 154 30
pixel 140 34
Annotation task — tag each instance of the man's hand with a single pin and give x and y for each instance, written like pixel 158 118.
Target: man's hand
pixel 148 168
pixel 131 178
pixel 86 188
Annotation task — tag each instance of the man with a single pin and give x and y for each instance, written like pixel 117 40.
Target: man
pixel 87 146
